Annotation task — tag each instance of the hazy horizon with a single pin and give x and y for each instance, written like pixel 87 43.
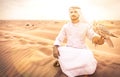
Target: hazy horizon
pixel 58 10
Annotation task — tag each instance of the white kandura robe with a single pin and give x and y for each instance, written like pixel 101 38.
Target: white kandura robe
pixel 75 58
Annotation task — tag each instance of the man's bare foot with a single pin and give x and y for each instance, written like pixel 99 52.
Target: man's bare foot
pixel 60 73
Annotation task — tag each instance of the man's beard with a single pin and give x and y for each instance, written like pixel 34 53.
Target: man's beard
pixel 74 18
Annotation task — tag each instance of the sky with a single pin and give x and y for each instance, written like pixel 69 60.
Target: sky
pixel 58 9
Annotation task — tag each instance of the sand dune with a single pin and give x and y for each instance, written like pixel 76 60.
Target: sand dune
pixel 26 50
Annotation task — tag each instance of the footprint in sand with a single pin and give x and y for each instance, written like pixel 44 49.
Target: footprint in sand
pixel 22 41
pixel 42 43
pixel 17 36
pixel 32 42
pixel 47 51
pixel 6 37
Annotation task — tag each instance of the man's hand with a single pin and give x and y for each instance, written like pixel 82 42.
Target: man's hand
pixel 98 40
pixel 55 51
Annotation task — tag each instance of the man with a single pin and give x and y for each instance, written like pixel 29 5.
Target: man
pixel 75 58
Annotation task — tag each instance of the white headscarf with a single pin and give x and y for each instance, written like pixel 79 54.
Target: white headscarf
pixel 81 18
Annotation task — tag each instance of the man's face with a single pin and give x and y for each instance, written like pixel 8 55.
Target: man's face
pixel 74 13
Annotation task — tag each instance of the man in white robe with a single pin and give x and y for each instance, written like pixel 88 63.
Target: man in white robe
pixel 75 58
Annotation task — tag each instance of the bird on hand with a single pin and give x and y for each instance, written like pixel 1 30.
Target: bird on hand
pixel 104 33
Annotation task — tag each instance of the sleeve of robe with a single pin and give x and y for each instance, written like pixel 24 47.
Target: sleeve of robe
pixel 59 39
pixel 90 32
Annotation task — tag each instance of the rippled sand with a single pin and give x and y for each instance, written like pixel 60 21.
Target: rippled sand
pixel 26 49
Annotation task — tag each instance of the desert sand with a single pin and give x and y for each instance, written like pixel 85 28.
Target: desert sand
pixel 26 49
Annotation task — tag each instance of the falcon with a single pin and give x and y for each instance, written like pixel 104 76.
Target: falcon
pixel 104 33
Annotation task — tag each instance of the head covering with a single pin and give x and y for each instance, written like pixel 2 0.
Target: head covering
pixel 82 18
